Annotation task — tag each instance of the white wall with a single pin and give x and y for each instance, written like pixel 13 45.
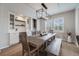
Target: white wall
pixel 76 24
pixel 38 25
pixel 18 9
pixel 3 27
pixel 69 22
pixel 29 26
pixel 77 21
pixel 42 25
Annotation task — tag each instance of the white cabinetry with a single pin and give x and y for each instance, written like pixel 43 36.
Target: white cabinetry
pixel 16 25
pixel 14 38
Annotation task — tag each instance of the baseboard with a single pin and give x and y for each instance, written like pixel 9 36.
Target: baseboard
pixel 14 44
pixel 4 47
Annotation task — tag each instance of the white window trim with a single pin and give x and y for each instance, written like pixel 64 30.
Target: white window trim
pixel 54 25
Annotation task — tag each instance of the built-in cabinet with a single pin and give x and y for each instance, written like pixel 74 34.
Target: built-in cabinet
pixel 16 24
pixel 12 17
pixel 16 9
pixel 14 38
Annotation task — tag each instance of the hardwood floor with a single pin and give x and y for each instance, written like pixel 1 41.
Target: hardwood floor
pixel 16 50
pixel 69 49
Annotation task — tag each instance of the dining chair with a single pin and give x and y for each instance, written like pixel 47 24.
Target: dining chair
pixel 27 47
pixel 77 37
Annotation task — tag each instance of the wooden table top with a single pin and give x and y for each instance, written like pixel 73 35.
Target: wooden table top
pixel 35 41
pixel 39 40
pixel 48 36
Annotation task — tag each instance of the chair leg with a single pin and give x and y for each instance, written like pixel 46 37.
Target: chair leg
pixel 23 52
pixel 29 54
pixel 38 52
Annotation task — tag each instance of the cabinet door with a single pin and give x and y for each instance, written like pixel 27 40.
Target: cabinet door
pixel 11 21
pixel 14 38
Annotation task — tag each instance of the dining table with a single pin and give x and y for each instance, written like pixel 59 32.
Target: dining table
pixel 37 41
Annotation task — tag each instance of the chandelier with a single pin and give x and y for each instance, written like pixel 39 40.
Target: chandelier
pixel 42 13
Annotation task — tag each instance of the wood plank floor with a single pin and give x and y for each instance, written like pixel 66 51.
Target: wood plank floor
pixel 69 49
pixel 16 50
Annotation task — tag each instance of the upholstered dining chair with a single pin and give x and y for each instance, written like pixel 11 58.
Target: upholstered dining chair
pixel 26 46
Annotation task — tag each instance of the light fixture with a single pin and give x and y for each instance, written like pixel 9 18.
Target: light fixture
pixel 42 13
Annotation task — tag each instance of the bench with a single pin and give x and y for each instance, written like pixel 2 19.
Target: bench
pixel 54 47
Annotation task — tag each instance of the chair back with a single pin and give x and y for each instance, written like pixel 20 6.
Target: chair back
pixel 77 37
pixel 23 40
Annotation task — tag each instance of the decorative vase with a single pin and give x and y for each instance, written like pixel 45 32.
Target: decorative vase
pixel 69 39
pixel 69 36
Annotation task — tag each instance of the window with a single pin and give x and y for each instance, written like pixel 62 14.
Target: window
pixel 50 25
pixel 59 24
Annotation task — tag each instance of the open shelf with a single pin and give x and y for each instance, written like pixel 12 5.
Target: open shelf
pixel 11 23
pixel 19 25
pixel 19 20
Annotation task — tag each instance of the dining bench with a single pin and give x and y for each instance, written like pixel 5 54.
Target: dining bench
pixel 55 47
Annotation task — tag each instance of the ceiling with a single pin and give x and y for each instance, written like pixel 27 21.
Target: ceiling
pixel 54 8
